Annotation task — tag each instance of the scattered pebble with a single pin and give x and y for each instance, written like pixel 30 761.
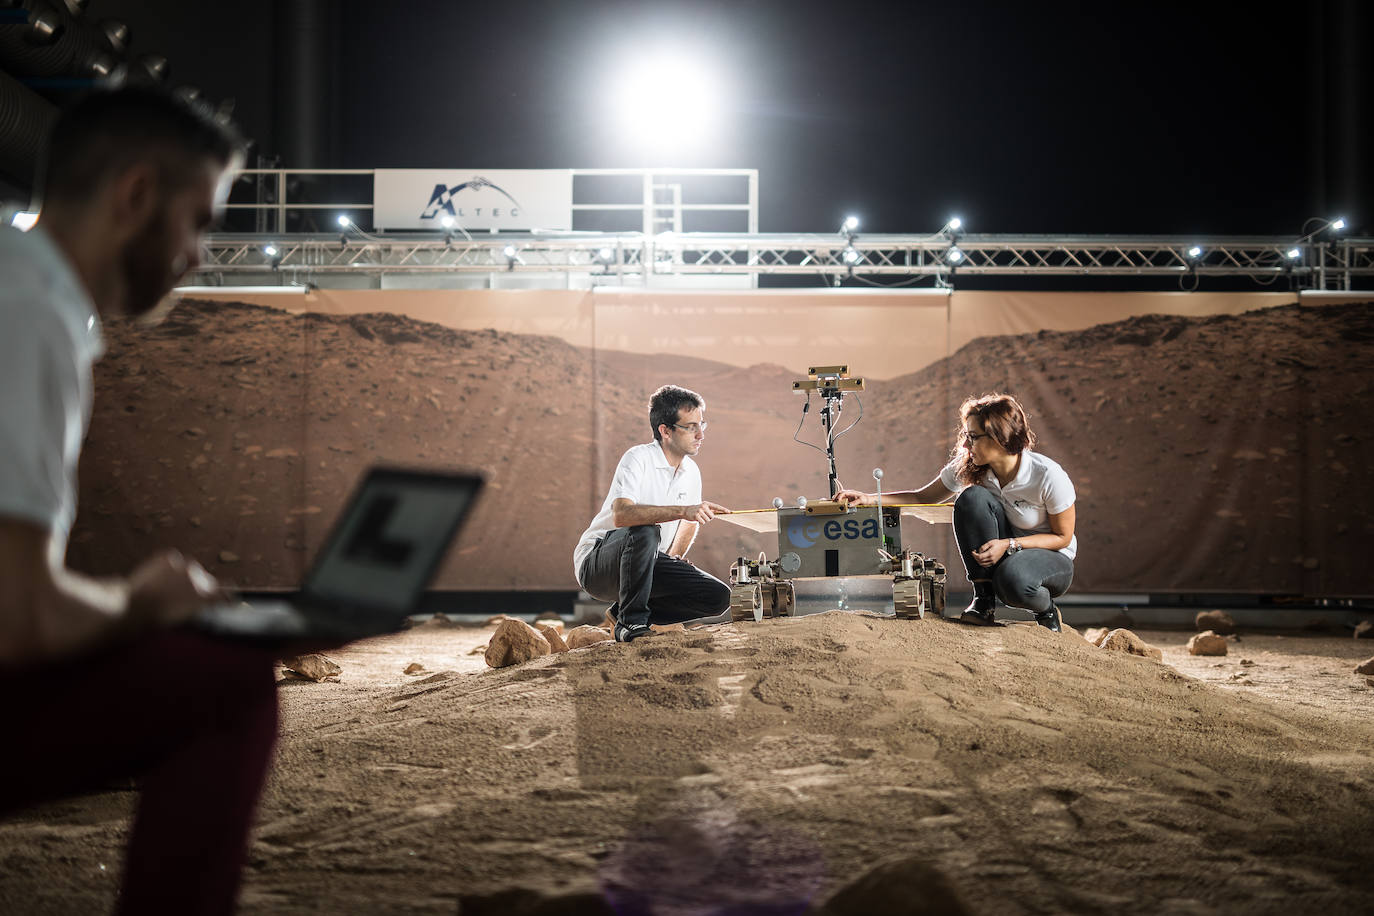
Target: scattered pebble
pixel 414 668
pixel 1123 640
pixel 312 667
pixel 1219 622
pixel 1207 643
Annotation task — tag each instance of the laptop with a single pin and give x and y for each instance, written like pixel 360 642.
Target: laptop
pixel 373 568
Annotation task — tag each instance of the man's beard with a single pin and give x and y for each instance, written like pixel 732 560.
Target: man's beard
pixel 148 272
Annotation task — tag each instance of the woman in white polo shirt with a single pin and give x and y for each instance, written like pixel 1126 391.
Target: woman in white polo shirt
pixel 1014 516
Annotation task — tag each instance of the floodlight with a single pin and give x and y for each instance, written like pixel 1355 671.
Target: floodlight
pixel 270 250
pixel 954 255
pixel 605 255
pixel 344 221
pixel 446 220
pixel 512 256
pixel 1294 254
pixel 1338 224
pixel 850 224
pixel 667 99
pixel 955 223
pixel 1195 252
pixel 851 255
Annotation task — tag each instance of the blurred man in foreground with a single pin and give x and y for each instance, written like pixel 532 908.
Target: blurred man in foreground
pixel 133 179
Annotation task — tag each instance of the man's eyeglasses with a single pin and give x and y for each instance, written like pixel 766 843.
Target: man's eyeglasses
pixel 692 428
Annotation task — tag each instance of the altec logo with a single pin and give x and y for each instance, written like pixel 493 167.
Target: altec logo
pixel 444 200
pixel 804 532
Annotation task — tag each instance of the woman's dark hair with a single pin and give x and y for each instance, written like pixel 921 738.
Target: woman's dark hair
pixel 110 130
pixel 666 403
pixel 1004 419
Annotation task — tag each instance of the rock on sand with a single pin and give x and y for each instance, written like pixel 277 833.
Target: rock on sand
pixel 1218 622
pixel 312 667
pixel 587 635
pixel 1123 640
pixel 556 643
pixel 1207 643
pixel 514 643
pixel 1366 667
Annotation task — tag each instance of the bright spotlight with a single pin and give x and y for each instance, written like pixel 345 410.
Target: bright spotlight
pixel 956 223
pixel 1294 254
pixel 954 255
pixel 852 256
pixel 606 255
pixel 344 221
pixel 667 101
pixel 850 223
pixel 1195 252
pixel 446 220
pixel 270 250
pixel 1338 224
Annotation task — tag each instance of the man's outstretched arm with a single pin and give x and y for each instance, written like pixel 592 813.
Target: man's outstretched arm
pixel 627 513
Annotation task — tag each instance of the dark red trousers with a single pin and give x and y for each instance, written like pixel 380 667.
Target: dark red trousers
pixel 193 719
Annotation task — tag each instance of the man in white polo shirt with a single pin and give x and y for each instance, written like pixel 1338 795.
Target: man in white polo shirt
pixel 632 553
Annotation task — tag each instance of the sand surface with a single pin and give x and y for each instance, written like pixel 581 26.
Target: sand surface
pixel 772 763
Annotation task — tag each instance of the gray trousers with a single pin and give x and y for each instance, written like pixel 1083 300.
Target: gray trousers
pixel 646 584
pixel 1030 578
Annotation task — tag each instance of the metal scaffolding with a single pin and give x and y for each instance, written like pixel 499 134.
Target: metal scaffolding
pixel 644 259
pixel 639 227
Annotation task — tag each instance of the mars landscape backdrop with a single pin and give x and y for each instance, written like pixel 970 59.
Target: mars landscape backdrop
pixel 1215 440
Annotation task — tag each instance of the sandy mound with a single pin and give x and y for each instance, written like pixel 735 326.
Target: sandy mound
pixel 775 763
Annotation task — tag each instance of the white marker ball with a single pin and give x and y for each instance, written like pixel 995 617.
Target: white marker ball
pixel 777 502
pixel 801 502
pixel 877 473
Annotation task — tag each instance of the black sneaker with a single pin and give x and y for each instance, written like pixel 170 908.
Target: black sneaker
pixel 631 632
pixel 1050 619
pixel 980 613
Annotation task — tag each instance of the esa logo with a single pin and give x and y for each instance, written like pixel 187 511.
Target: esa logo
pixel 804 532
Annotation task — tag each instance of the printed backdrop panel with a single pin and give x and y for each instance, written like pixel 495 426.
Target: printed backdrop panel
pixel 1215 441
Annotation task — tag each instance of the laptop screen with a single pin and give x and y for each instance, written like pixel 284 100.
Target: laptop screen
pixel 390 538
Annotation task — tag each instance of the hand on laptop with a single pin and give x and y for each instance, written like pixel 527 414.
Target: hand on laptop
pixel 167 588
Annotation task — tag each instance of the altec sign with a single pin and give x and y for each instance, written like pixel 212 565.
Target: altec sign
pixel 485 199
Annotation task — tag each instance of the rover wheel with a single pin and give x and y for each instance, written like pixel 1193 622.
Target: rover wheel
pixel 908 598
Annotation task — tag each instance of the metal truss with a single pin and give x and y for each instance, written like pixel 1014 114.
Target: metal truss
pixel 635 258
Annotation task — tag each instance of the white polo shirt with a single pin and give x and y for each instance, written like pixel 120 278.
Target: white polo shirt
pixel 643 476
pixel 1039 490
pixel 50 335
